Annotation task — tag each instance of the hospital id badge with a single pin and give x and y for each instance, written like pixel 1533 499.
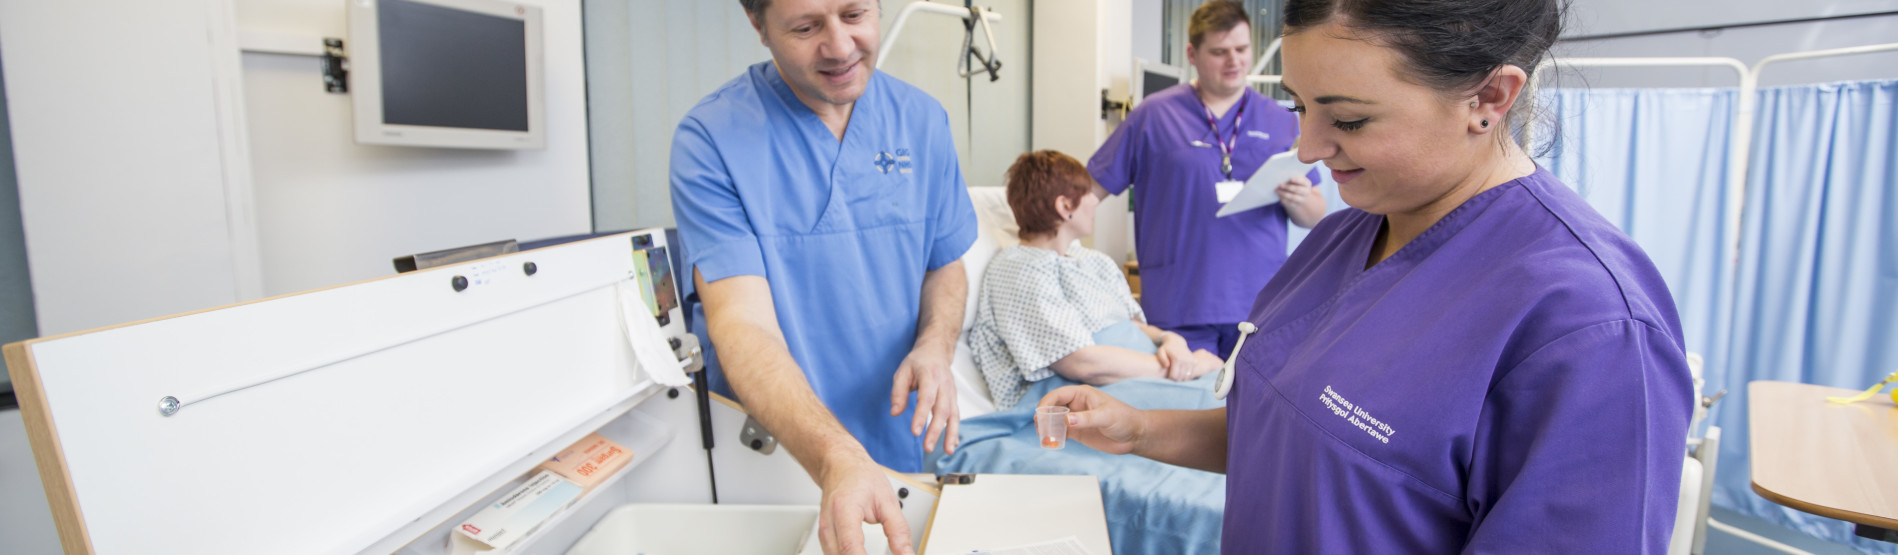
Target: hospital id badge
pixel 1228 189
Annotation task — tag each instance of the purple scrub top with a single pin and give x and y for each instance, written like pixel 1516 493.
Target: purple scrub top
pixel 1512 381
pixel 1195 268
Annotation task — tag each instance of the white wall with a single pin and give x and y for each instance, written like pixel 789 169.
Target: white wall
pixel 137 178
pixel 1114 223
pixel 118 146
pixel 648 62
pixel 26 521
pixel 330 211
pixel 1080 48
pixel 998 111
pixel 1747 44
pixel 16 290
pixel 1602 17
pixel 1148 34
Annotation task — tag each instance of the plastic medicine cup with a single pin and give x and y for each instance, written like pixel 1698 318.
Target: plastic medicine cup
pixel 1051 424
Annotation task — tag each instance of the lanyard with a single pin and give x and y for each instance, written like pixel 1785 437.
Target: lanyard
pixel 1222 385
pixel 1226 146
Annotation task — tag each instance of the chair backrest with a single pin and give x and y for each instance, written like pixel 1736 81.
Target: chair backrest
pixel 1697 472
pixel 1696 368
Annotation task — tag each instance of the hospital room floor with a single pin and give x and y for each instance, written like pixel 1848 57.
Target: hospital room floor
pixel 1721 543
pixel 26 527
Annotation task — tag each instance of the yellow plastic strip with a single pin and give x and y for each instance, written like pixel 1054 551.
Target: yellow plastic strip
pixel 1869 393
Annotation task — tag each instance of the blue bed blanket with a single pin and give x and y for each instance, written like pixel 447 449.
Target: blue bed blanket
pixel 1152 507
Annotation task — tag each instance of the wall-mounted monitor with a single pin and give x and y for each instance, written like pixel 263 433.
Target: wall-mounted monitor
pixel 447 73
pixel 1151 78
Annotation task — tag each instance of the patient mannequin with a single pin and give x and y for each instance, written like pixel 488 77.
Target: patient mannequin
pixel 1051 307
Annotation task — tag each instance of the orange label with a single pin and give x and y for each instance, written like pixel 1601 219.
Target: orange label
pixel 589 461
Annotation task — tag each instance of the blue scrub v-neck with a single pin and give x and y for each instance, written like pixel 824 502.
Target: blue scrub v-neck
pixel 812 127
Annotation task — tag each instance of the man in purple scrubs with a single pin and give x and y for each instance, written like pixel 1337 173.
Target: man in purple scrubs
pixel 1469 359
pixel 1198 272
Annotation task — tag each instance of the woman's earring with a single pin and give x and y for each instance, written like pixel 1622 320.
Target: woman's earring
pixel 1486 124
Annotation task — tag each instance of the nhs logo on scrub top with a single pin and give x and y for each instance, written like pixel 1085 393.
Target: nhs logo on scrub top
pixel 899 161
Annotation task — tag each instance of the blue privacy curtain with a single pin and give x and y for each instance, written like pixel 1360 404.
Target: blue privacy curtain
pixel 1818 284
pixel 1817 279
pixel 1654 162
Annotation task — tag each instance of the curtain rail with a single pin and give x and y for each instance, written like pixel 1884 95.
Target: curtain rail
pixel 1676 30
pixel 1737 147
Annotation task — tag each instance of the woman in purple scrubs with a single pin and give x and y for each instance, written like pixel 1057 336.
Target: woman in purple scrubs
pixel 1469 359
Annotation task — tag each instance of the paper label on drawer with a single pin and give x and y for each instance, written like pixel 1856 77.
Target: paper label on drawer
pixel 520 512
pixel 589 461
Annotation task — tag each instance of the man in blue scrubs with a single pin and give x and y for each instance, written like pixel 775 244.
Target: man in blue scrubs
pixel 1182 146
pixel 823 213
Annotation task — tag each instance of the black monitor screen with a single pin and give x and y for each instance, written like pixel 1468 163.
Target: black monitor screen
pixel 1154 82
pixel 443 67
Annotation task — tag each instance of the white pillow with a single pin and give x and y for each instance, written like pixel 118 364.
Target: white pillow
pixel 994 230
pixel 974 264
pixel 972 392
pixel 993 214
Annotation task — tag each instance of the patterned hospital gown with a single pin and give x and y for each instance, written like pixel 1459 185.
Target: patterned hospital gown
pixel 1037 307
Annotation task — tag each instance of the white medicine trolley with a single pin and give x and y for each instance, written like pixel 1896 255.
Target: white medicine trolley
pixel 375 417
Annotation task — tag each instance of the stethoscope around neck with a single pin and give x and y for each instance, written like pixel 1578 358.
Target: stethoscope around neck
pixel 1226 373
